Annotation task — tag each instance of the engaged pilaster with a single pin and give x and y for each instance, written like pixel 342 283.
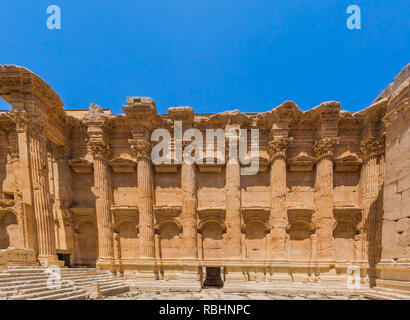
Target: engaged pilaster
pixel 141 150
pixel 371 180
pixel 233 195
pixel 41 193
pixel 278 218
pixel 324 150
pixel 99 148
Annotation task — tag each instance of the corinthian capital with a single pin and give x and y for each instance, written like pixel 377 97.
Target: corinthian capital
pixel 98 148
pixel 140 149
pixel 371 147
pixel 326 146
pixel 278 147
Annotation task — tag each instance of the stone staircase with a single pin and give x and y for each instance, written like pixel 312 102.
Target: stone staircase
pixel 37 283
pixel 387 294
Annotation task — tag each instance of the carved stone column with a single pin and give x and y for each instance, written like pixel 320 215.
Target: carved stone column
pixel 141 149
pixel 99 148
pixel 278 214
pixel 61 191
pixel 370 185
pixel 324 150
pixel 188 214
pixel 233 200
pixel 43 210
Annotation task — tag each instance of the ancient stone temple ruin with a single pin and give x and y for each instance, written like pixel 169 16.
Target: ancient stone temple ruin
pixel 329 203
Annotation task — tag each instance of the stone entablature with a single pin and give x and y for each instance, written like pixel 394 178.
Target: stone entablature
pixel 83 183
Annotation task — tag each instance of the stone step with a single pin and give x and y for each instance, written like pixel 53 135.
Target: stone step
pixel 44 289
pixel 16 280
pixel 61 296
pixel 114 290
pixel 22 271
pixel 34 296
pixel 388 294
pixel 25 267
pixel 83 296
pixel 28 282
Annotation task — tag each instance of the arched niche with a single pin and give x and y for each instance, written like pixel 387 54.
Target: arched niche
pixel 255 239
pixel 344 232
pixel 213 244
pixel 299 246
pixel 86 243
pixel 9 230
pixel 128 238
pixel 170 238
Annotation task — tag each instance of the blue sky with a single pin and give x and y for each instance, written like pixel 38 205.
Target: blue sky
pixel 213 55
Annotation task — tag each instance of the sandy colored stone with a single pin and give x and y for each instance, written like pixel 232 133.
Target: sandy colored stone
pixel 332 192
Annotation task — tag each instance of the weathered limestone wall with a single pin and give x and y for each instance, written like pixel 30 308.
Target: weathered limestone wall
pixel 328 195
pixel 394 268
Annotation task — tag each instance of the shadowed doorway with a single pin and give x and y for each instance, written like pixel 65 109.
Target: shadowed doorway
pixel 213 277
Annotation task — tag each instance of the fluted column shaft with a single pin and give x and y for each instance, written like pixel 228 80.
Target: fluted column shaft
pixel 324 205
pixel 233 210
pixel 188 182
pixel 278 206
pixel 102 206
pixel 278 214
pixel 370 182
pixel 41 194
pixel 324 150
pixel 146 220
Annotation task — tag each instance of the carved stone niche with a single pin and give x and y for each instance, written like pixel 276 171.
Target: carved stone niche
pixel 166 212
pixel 160 223
pixel 252 213
pixel 347 163
pixel 301 163
pixel 263 163
pixel 120 165
pixel 210 165
pixel 346 215
pixel 300 225
pixel 80 165
pixel 251 221
pixel 215 219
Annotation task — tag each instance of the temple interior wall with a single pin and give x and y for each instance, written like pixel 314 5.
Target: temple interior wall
pixel 332 190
